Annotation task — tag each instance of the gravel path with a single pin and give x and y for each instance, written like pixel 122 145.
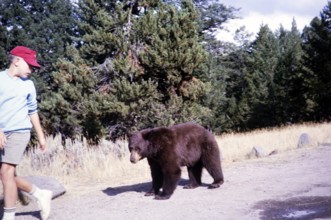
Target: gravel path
pixel 289 185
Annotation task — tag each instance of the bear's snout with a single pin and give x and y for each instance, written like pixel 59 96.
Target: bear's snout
pixel 134 157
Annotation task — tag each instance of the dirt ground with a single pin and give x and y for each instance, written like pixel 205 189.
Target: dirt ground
pixel 289 185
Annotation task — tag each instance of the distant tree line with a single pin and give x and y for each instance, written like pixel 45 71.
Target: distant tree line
pixel 110 67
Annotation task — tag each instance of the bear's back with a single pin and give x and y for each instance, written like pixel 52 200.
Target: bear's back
pixel 189 129
pixel 193 134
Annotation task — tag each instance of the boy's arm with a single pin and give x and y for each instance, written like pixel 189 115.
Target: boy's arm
pixel 40 134
pixel 3 139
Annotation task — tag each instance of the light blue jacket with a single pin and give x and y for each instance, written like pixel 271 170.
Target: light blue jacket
pixel 17 102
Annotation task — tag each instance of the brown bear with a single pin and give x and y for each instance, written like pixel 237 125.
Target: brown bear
pixel 167 149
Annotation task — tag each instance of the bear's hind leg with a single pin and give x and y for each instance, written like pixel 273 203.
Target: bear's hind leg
pixel 217 174
pixel 214 168
pixel 194 174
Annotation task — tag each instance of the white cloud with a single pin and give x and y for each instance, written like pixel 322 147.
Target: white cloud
pixel 274 13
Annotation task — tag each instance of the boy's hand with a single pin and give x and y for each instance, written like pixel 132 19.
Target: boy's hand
pixel 42 144
pixel 3 139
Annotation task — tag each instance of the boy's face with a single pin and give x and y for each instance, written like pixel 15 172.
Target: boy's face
pixel 24 70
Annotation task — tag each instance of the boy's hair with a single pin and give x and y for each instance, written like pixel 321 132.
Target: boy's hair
pixel 11 58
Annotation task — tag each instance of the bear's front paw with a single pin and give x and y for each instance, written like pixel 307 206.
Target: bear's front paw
pixel 150 193
pixel 214 185
pixel 158 197
pixel 191 186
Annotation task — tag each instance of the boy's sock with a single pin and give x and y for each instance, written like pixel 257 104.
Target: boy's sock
pixel 9 213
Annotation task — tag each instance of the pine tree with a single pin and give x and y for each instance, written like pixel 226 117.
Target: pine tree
pixel 289 107
pixel 45 26
pixel 72 85
pixel 216 68
pixel 173 58
pixel 260 65
pixel 317 45
pixel 3 48
pixel 140 61
pixel 235 84
pixel 213 16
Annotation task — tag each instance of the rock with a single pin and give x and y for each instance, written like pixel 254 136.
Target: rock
pixel 304 140
pixel 45 182
pixel 273 152
pixel 257 152
pixel 42 182
pixel 324 144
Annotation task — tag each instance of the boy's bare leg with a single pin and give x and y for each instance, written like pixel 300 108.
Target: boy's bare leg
pixel 9 184
pixel 7 173
pixel 23 184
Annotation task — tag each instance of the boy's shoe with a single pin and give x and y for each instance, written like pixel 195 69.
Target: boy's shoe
pixel 44 203
pixel 22 198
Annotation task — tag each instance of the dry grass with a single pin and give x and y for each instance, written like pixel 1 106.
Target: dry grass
pixel 109 162
pixel 239 146
pixel 76 164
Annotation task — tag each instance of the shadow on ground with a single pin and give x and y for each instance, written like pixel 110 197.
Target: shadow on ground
pixel 35 214
pixel 141 187
pixel 303 208
pixel 113 191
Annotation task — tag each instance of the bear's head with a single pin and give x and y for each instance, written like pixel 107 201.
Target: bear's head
pixel 138 146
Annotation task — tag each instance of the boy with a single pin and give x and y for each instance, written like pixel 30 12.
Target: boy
pixel 18 113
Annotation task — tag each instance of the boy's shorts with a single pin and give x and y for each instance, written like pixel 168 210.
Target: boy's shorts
pixel 14 148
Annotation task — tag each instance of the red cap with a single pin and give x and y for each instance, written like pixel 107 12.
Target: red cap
pixel 27 54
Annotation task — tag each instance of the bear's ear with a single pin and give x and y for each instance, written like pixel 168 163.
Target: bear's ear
pixel 130 132
pixel 146 133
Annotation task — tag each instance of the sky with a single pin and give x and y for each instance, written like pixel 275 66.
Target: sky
pixel 254 13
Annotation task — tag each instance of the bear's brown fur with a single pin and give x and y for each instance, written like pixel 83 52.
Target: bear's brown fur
pixel 169 148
